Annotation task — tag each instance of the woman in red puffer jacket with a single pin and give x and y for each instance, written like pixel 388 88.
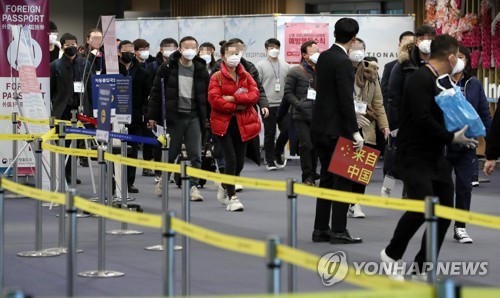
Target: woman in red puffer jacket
pixel 232 94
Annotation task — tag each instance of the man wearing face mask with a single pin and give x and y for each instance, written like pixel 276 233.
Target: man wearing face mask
pixel 54 45
pixel 141 48
pixel 67 84
pixel 272 73
pixel 95 55
pixel 420 159
pixel 333 117
pixel 130 67
pixel 186 87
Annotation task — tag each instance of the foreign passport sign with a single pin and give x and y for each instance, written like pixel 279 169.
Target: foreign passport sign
pixel 103 117
pixel 355 166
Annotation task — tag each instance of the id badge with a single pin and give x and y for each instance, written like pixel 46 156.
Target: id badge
pixel 78 87
pixel 311 94
pixel 389 182
pixel 277 87
pixel 360 107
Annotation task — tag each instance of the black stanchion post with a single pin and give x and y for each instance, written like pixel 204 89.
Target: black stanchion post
pixel 73 145
pixel 62 185
pixel 71 257
pixel 292 231
pixel 2 231
pixel 168 250
pixel 431 237
pixel 38 252
pixel 273 266
pixel 14 149
pixel 185 240
pixel 447 289
pixel 53 171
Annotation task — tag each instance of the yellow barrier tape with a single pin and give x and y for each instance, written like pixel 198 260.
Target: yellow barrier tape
pixel 48 135
pixel 5 117
pixel 310 262
pixel 34 193
pixel 470 292
pixel 229 179
pixel 233 243
pixel 69 151
pixel 162 140
pixel 132 217
pixel 18 137
pixel 335 293
pixel 145 164
pixel 349 197
pixel 33 121
pixel 479 219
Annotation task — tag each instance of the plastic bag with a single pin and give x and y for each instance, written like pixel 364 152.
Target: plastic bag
pixel 458 112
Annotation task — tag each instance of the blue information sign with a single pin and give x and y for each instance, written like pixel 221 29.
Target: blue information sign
pixel 103 115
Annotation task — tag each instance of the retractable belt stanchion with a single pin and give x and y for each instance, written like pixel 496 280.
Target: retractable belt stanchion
pixel 53 168
pixel 2 232
pixel 73 182
pixel 185 240
pixel 15 168
pixel 292 232
pixel 431 237
pixel 101 253
pixel 38 252
pixel 71 257
pixel 273 266
pixel 168 251
pixel 124 226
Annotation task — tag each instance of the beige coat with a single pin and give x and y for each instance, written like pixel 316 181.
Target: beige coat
pixel 367 86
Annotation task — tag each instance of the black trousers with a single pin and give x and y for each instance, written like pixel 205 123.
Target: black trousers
pixel 271 147
pixel 150 152
pixel 308 157
pixel 421 179
pixel 133 130
pixel 234 150
pixel 324 146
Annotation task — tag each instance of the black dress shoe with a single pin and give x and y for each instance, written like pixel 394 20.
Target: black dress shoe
pixel 321 236
pixel 344 238
pixel 148 173
pixel 78 181
pixel 132 189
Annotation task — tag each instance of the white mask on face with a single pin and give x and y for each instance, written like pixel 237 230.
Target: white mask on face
pixel 167 53
pixel 357 55
pixel 53 38
pixel 273 53
pixel 459 66
pixel 314 57
pixel 233 60
pixel 207 58
pixel 144 55
pixel 189 54
pixel 425 46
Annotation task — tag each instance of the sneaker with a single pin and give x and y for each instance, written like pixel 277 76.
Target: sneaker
pixel 355 211
pixel 148 173
pixel 238 187
pixel 475 181
pixel 158 188
pixel 221 194
pixel 460 234
pixel 84 162
pixel 195 195
pixel 157 178
pixel 280 162
pixel 385 192
pixel 271 167
pixel 234 204
pixel 394 273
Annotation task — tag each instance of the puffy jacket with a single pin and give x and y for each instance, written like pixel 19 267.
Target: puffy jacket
pixel 296 87
pixel 474 93
pixel 222 110
pixel 170 72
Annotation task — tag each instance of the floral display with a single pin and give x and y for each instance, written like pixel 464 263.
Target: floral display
pixel 486 33
pixel 474 58
pixel 495 40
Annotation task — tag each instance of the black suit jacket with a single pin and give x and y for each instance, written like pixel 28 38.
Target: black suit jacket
pixel 384 84
pixel 333 112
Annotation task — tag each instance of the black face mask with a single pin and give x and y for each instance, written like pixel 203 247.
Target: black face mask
pixel 127 57
pixel 70 51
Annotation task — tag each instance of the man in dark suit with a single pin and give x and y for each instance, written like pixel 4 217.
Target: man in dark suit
pixel 333 117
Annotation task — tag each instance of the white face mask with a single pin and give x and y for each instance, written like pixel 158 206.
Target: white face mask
pixel 357 55
pixel 189 54
pixel 459 66
pixel 233 60
pixel 314 57
pixel 425 46
pixel 144 55
pixel 207 58
pixel 53 38
pixel 167 53
pixel 273 53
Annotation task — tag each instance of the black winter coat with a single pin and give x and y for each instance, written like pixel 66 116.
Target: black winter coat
pixel 170 72
pixel 296 87
pixel 140 89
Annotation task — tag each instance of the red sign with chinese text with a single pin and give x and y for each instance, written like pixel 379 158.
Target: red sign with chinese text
pixel 355 166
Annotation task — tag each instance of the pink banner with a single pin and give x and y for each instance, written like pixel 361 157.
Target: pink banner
pixel 298 33
pixel 110 51
pixel 35 14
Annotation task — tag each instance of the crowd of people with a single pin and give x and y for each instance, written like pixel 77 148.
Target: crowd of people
pixel 330 94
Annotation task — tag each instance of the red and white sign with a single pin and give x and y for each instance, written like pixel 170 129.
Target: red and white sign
pixel 355 166
pixel 298 33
